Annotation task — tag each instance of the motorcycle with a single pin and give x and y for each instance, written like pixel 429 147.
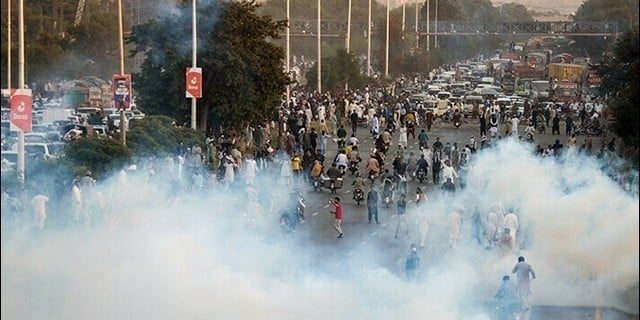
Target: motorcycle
pixel 332 184
pixel 421 175
pixel 353 167
pixel 372 175
pixel 358 195
pixel 456 122
pixel 317 184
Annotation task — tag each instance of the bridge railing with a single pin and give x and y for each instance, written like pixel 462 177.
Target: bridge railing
pixel 452 27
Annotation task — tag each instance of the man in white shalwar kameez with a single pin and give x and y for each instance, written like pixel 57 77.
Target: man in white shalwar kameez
pixel 251 168
pixel 511 222
pixel 492 228
pixel 76 199
pixel 455 220
pixel 38 203
pixel 424 222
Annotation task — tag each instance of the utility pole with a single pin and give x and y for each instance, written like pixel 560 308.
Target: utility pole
pixel 288 50
pixel 428 22
pixel 435 41
pixel 319 50
pixel 386 54
pixel 9 45
pixel 21 164
pixel 123 116
pixel 369 42
pixel 194 57
pixel 417 32
pixel 404 9
pixel 346 83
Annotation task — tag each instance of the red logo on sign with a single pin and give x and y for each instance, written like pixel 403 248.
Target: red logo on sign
pixel 122 90
pixel 21 104
pixel 194 83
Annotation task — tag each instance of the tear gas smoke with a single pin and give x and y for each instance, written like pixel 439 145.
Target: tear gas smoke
pixel 157 253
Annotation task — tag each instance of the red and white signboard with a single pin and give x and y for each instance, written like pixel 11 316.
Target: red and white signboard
pixel 122 91
pixel 194 83
pixel 21 105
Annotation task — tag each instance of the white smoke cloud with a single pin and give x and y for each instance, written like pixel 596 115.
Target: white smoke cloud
pixel 152 259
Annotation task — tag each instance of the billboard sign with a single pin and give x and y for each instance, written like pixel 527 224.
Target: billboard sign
pixel 122 91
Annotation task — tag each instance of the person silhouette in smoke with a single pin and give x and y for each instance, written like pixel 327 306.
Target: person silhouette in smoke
pixel 412 265
pixel 524 274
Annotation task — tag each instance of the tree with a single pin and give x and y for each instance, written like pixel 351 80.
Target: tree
pixel 514 12
pixel 336 71
pixel 620 75
pixel 95 44
pixel 98 155
pixel 159 135
pixel 243 74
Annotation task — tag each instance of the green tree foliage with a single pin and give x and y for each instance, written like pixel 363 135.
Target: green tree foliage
pixel 95 44
pixel 624 12
pixel 95 154
pixel 243 77
pixel 336 71
pixel 514 12
pixel 620 75
pixel 158 136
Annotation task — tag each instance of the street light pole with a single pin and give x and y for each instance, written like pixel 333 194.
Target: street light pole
pixel 428 22
pixel 404 3
pixel 194 57
pixel 288 51
pixel 369 42
pixel 386 54
pixel 417 33
pixel 123 116
pixel 21 164
pixel 9 45
pixel 435 40
pixel 346 83
pixel 319 50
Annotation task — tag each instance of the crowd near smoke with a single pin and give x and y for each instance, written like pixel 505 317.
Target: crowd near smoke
pixel 155 251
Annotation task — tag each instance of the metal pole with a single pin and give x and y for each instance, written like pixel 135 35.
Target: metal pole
pixel 386 53
pixel 123 117
pixel 21 164
pixel 346 83
pixel 288 50
pixel 435 40
pixel 404 3
pixel 369 42
pixel 9 45
pixel 194 63
pixel 417 33
pixel 428 18
pixel 319 51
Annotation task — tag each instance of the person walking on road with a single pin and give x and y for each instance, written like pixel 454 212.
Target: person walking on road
pixel 524 274
pixel 372 205
pixel 402 215
pixel 455 220
pixel 338 215
pixel 412 265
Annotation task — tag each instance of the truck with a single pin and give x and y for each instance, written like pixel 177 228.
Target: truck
pixel 566 91
pixel 50 115
pixel 566 71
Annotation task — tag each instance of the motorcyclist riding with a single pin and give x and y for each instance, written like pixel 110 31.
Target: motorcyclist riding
pixel 423 139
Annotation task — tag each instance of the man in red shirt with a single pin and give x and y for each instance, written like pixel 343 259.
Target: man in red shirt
pixel 338 215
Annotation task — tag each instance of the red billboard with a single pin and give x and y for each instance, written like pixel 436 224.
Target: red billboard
pixel 193 83
pixel 21 104
pixel 122 91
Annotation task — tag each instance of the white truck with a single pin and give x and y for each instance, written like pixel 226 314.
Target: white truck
pixel 49 115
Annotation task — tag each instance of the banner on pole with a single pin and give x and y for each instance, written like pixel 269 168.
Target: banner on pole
pixel 193 82
pixel 122 91
pixel 20 116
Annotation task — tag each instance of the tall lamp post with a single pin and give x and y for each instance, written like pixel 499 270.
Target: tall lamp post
pixel 123 116
pixel 346 83
pixel 288 50
pixel 20 164
pixel 369 42
pixel 386 51
pixel 319 79
pixel 194 57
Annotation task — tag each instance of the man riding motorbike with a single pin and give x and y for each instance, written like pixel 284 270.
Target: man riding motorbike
pixel 423 168
pixel 412 165
pixel 373 167
pixel 358 188
pixel 423 139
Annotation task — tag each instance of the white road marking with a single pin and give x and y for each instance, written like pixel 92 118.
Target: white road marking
pixel 315 213
pixel 326 206
pixel 374 233
pixel 363 243
pixel 394 216
pixel 347 191
pixel 350 253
